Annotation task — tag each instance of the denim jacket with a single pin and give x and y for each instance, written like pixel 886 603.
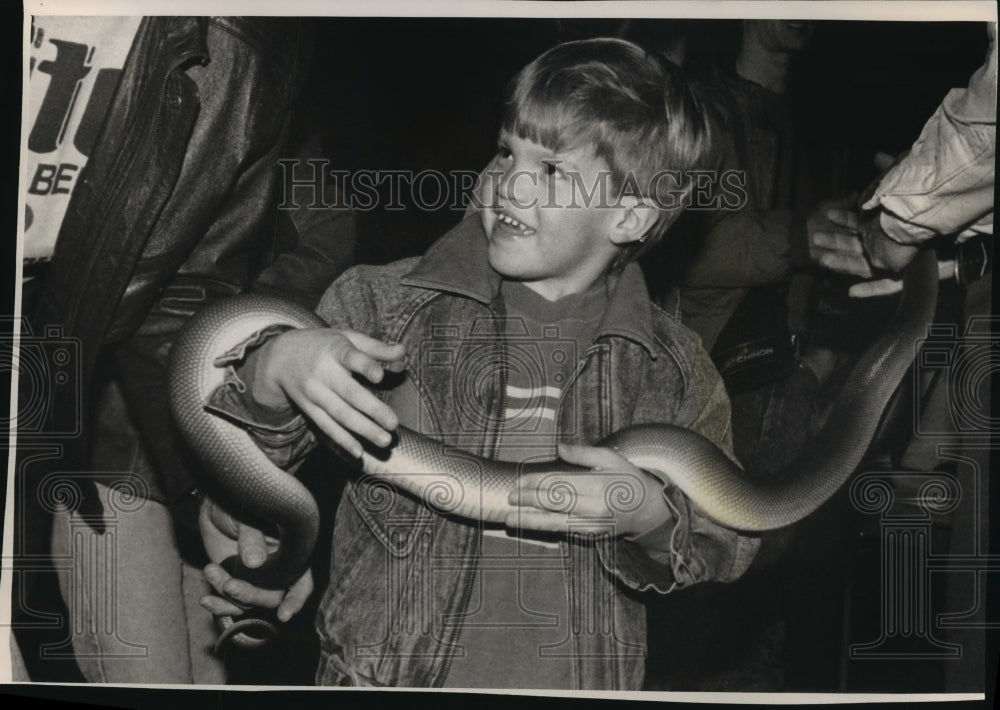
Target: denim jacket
pixel 399 569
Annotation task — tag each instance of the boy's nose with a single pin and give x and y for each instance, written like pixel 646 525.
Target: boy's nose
pixel 518 187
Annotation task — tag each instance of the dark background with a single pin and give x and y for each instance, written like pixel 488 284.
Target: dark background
pixel 427 93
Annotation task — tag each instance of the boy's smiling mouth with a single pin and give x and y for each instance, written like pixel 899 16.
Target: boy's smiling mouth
pixel 505 220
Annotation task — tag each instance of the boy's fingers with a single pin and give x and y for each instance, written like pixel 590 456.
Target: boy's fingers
pixel 395 365
pixel 544 521
pixel 362 400
pixel 336 433
pixel 559 495
pixel 594 457
pixel 335 392
pixel 358 362
pixel 376 349
pixel 530 497
pixel 350 419
pixel 541 520
pixel 555 497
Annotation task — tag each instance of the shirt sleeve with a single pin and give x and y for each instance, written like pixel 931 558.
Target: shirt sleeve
pixel 945 185
pixel 688 547
pixel 285 435
pixel 281 433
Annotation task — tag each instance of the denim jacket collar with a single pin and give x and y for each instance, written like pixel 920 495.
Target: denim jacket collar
pixel 458 263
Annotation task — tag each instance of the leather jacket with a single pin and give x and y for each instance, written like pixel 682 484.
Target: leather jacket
pixel 176 206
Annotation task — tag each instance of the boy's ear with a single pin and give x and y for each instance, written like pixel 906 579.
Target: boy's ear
pixel 634 220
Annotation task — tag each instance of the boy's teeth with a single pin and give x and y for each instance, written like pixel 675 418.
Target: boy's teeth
pixel 506 219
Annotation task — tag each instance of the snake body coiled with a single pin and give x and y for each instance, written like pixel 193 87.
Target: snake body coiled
pixel 468 486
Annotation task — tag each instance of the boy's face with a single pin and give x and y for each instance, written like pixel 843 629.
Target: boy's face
pixel 549 219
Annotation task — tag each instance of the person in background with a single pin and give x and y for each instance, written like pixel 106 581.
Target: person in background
pixel 737 267
pixel 751 245
pixel 153 189
pixel 940 193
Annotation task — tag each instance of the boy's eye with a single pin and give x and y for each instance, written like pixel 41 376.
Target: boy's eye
pixel 552 169
pixel 503 152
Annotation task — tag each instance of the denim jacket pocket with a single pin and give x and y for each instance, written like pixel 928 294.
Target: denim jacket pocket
pixel 373 619
pixel 393 517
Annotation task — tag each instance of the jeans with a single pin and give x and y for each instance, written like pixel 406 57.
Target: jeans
pixel 132 599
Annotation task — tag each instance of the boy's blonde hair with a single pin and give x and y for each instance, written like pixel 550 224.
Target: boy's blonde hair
pixel 633 109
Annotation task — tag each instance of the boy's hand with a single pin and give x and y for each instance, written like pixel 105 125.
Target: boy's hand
pixel 315 370
pixel 614 496
pixel 224 536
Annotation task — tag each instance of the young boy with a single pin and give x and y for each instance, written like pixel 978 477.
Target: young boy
pixel 525 333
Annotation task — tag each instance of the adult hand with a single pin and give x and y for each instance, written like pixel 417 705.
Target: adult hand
pixel 315 369
pixel 835 240
pixel 884 287
pixel 224 536
pixel 614 496
pixel 843 242
pixel 884 252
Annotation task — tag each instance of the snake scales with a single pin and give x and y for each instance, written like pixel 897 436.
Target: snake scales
pixel 246 481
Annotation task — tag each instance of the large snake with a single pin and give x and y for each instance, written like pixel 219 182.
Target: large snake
pixel 468 486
